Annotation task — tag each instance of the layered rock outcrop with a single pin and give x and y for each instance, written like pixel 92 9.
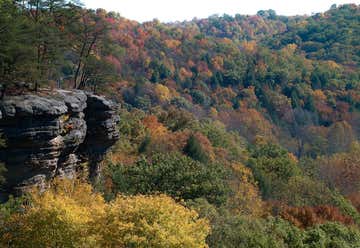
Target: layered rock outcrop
pixel 54 134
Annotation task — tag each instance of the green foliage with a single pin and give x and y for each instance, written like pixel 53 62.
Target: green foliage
pixel 243 231
pixel 194 150
pixel 328 28
pixel 177 119
pixel 273 79
pixel 200 98
pixel 332 235
pixel 231 142
pixel 304 191
pixel 345 206
pixel 272 168
pixel 173 174
pixel 10 207
pixel 44 40
pixel 14 52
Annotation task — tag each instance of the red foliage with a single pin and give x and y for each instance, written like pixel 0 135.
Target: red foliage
pixel 355 200
pixel 309 216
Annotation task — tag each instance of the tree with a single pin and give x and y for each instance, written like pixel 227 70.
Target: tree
pixel 47 21
pixel 71 214
pixel 90 32
pixel 194 150
pixel 96 73
pixel 230 230
pixel 340 137
pixel 176 119
pixel 242 231
pixel 245 196
pixel 15 52
pixel 59 217
pixel 173 174
pixel 332 235
pixel 342 170
pixel 150 221
pixel 306 216
pixel 305 191
pixel 272 167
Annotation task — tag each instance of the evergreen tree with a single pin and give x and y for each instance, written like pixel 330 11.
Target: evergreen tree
pixel 194 150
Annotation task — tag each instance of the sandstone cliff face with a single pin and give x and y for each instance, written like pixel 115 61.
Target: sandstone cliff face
pixel 53 135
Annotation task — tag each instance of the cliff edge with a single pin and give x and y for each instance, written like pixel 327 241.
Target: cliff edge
pixel 54 134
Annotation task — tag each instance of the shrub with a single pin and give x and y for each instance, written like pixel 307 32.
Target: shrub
pixel 70 214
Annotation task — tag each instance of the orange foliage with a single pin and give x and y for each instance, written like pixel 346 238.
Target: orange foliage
pixel 172 44
pixel 224 95
pixel 164 140
pixel 205 144
pixel 309 216
pixel 342 170
pixel 217 62
pixel 155 128
pixel 319 95
pixel 249 46
pixel 355 200
pixel 183 73
pixel 251 123
pixel 119 157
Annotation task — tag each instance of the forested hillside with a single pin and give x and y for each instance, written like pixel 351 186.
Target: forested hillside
pixel 247 126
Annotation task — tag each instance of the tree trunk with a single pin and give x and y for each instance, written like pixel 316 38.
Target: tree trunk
pixel 79 64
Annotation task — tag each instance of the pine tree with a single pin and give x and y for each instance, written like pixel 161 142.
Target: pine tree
pixel 194 150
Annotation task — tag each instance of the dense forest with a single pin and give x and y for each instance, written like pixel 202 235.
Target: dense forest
pixel 236 131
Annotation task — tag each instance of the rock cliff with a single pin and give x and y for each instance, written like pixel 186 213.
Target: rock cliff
pixel 54 134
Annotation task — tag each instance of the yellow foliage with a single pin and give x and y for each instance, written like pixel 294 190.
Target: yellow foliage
pixel 293 157
pixel 319 95
pixel 289 49
pixel 333 65
pixel 70 214
pixel 162 92
pixel 213 112
pixel 246 198
pixel 249 46
pixel 56 218
pixel 150 221
pixel 217 62
pixel 64 118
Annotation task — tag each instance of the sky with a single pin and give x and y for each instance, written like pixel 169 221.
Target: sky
pixel 179 10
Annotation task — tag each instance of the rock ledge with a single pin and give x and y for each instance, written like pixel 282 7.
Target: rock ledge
pixel 52 135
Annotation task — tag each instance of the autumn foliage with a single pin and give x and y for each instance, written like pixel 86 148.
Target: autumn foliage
pixel 72 215
pixel 310 216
